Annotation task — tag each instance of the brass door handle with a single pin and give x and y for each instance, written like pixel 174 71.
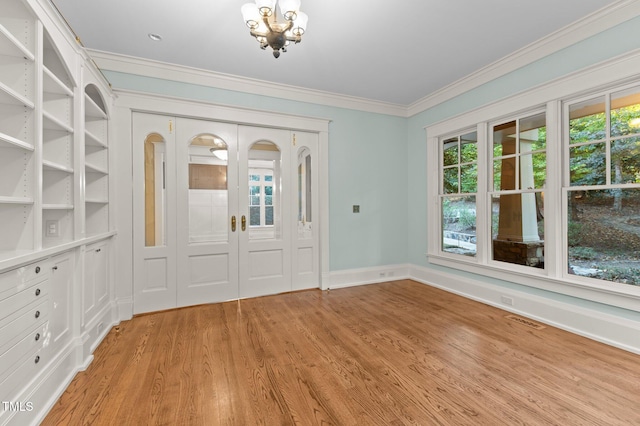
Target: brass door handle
pixel 244 223
pixel 233 224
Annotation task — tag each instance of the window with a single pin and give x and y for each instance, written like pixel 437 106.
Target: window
pixel 519 175
pixel 553 191
pixel 602 186
pixel 459 184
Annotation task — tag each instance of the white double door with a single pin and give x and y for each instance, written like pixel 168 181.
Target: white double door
pixel 215 208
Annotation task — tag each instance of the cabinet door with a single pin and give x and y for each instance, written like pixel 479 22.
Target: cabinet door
pixel 95 291
pixel 61 291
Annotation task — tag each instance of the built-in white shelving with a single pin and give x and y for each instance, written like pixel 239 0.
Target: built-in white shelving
pixel 54 208
pixel 17 126
pixel 96 162
pixel 58 148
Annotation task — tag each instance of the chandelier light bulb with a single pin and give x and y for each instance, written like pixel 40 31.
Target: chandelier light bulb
pixel 289 9
pixel 251 15
pixel 266 6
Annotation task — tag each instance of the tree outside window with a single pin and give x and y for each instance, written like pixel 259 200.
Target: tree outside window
pixel 603 194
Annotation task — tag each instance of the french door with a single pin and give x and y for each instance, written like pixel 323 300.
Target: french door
pixel 215 212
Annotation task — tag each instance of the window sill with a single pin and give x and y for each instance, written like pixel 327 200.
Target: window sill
pixel 619 295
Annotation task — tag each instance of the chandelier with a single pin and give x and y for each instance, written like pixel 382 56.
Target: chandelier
pixel 261 19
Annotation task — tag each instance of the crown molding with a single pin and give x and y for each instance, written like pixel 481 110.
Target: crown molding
pixel 601 20
pixel 162 70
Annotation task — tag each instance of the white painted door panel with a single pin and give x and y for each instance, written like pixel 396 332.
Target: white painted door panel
pixel 207 245
pixel 154 274
pixel 265 251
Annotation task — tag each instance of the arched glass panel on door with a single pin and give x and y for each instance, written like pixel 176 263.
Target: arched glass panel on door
pixel 264 191
pixel 208 194
pixel 155 198
pixel 305 217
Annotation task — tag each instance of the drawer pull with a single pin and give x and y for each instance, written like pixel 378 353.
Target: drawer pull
pixel 98 250
pixel 37 360
pixel 37 269
pixel 37 292
pixel 55 268
pixel 37 314
pixel 37 336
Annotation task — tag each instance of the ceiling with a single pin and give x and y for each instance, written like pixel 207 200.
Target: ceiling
pixel 397 51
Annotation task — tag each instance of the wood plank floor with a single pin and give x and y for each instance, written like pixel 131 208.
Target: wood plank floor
pixel 398 353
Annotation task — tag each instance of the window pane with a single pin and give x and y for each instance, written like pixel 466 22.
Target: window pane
pixel 469 178
pixel 254 190
pixel 533 133
pixel 254 200
pixel 469 148
pixel 504 140
pixel 587 164
pixel 268 178
pixel 625 161
pixel 254 216
pixel 603 234
pixel 459 225
pixel 254 178
pixel 207 186
pixel 450 180
pixel 517 222
pixel 450 152
pixel 625 112
pixel 268 190
pixel 587 120
pixel 155 204
pixel 268 215
pixel 268 200
pixel 533 170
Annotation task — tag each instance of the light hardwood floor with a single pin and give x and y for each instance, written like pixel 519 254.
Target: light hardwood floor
pixel 398 353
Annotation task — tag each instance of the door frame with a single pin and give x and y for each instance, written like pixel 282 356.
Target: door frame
pixel 128 102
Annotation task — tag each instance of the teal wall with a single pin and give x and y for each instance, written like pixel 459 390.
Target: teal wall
pixel 367 167
pixel 379 161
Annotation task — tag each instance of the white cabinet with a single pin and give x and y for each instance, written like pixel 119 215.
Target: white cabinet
pixel 95 289
pixel 61 293
pixel 55 302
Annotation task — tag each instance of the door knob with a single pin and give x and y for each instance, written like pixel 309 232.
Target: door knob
pixel 233 224
pixel 244 223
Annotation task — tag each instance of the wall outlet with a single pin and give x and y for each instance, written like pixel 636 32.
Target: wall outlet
pixel 356 208
pixel 506 300
pixel 52 228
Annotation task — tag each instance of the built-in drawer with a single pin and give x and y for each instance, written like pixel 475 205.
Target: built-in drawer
pixel 20 376
pixel 15 355
pixel 14 327
pixel 16 280
pixel 38 290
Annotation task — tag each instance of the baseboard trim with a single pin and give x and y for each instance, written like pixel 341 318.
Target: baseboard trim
pixel 599 326
pixel 362 276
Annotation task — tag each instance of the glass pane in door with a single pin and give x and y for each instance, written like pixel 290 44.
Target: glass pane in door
pixel 155 197
pixel 264 191
pixel 208 194
pixel 304 194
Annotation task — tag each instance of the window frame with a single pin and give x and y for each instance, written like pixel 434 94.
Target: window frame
pixel 551 98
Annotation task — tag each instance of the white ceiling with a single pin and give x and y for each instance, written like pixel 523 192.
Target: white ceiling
pixel 396 51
